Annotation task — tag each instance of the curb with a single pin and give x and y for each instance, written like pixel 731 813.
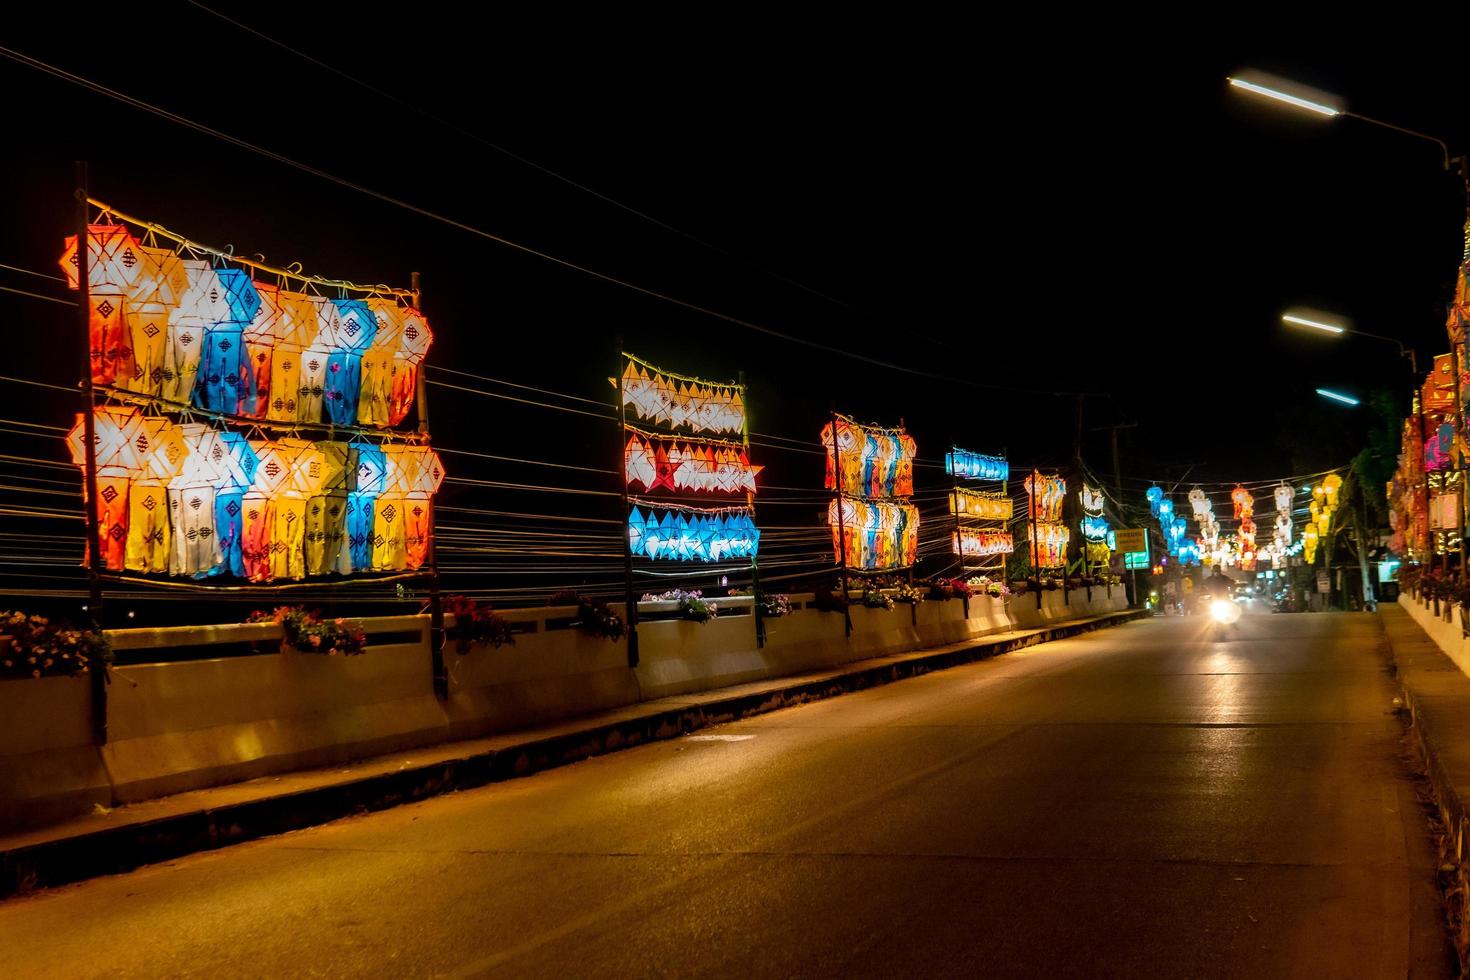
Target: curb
pixel 115 850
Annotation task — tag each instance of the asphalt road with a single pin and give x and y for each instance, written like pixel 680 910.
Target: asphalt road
pixel 1133 802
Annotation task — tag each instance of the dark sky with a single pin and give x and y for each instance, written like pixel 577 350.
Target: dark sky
pixel 1055 214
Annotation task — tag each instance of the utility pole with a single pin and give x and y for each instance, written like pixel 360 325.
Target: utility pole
pixel 1112 430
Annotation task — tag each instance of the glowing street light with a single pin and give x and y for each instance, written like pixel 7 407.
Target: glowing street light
pixel 1327 323
pixel 1337 396
pixel 1326 104
pixel 1301 321
pixel 1259 83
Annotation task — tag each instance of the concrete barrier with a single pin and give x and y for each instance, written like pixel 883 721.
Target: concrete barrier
pixel 548 674
pixel 180 725
pixel 677 656
pixel 49 768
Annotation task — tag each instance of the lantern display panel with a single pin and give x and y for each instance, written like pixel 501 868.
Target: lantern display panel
pixel 187 332
pixel 871 471
pixel 981 509
pixel 680 462
pixel 1047 535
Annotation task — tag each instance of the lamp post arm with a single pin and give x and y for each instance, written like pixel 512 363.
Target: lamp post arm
pixel 1403 351
pixel 1444 148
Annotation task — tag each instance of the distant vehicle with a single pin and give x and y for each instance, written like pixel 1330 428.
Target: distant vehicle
pixel 1224 614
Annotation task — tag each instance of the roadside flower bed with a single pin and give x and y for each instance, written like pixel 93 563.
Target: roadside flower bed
pixel 307 632
pixel 476 623
pixel 34 646
pixel 593 615
pixel 693 606
pixel 772 605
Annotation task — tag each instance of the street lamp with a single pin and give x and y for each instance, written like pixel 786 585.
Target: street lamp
pixel 1338 396
pixel 1270 87
pixel 1299 96
pixel 1307 320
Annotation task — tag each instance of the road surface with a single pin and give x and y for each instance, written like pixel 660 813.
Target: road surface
pixel 1133 802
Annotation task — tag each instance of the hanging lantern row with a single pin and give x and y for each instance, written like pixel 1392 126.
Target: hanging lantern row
pixel 1046 493
pixel 1046 534
pixel 693 536
pixel 966 465
pixel 981 506
pixel 1095 527
pixel 1049 544
pixel 652 464
pixel 881 527
pixel 1209 527
pixel 875 462
pixel 207 334
pixel 1173 528
pixel 981 544
pixel 1310 537
pixel 673 464
pixel 880 534
pixel 990 509
pixel 1244 503
pixel 190 500
pixel 678 403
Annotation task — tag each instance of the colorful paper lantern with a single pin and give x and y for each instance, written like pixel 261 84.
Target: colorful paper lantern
pixel 114 260
pixel 693 535
pixel 682 403
pixel 981 506
pixel 966 465
pixel 880 534
pixel 982 544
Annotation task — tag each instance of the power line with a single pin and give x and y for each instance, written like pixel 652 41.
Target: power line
pixel 475 137
pixel 49 299
pixel 286 161
pixel 31 272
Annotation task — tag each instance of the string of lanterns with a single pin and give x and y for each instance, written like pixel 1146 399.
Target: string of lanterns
pixel 187 499
pixel 189 331
pixel 873 524
pixel 1097 552
pixel 676 464
pixel 176 336
pixel 1047 534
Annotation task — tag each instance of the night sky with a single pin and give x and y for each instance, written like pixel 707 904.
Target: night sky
pixel 1015 224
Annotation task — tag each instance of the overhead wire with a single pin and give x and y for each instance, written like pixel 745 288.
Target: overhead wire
pixel 142 105
pixel 468 134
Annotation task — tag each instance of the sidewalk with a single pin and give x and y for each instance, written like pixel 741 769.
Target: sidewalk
pixel 1437 694
pixel 128 837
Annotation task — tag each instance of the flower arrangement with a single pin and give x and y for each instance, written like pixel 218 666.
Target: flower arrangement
pixel 593 615
pixel 875 598
pixel 1410 578
pixel 34 646
pixel 693 605
pixel 985 585
pixel 907 593
pixel 307 632
pixel 476 623
pixel 772 605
